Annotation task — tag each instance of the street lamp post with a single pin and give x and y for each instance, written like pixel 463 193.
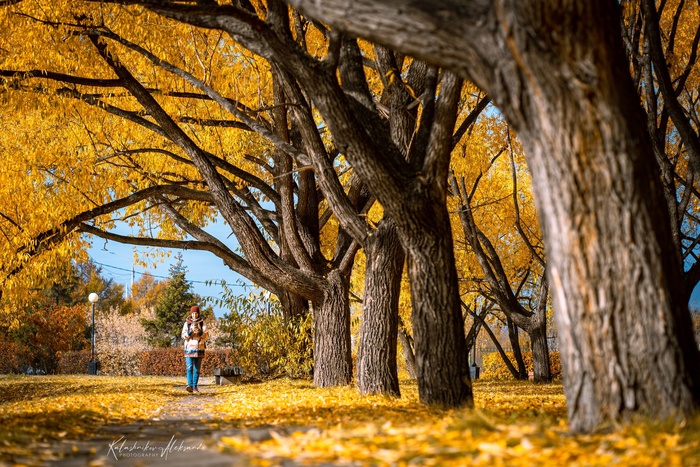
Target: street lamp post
pixel 93 365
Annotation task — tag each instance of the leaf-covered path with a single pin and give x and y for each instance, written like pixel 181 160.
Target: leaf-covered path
pixel 181 433
pixel 142 421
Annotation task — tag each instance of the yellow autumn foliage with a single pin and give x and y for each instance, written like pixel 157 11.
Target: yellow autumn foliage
pixel 493 367
pixel 64 154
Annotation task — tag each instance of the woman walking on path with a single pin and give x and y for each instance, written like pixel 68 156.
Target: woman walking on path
pixel 194 332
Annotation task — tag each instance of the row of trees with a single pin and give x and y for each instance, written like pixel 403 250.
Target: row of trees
pixel 56 318
pixel 332 360
pixel 312 144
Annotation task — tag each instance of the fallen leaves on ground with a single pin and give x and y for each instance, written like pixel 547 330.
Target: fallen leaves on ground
pixel 41 409
pixel 514 423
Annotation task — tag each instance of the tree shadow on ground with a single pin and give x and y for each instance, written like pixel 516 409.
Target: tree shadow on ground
pixel 15 388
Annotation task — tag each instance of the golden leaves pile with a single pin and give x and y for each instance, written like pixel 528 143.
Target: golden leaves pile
pixel 44 408
pixel 514 423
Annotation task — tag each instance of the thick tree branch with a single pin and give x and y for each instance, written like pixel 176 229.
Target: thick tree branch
pixel 293 218
pixel 675 109
pixel 470 120
pixel 258 252
pixel 62 77
pixel 385 170
pixel 422 29
pixel 210 243
pixel 51 237
pixel 325 172
pixel 437 161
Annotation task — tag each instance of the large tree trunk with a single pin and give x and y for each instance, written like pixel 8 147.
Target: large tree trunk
pixel 615 277
pixel 377 372
pixel 514 337
pixel 332 352
pixel 376 358
pixel 438 329
pixel 541 366
pixel 620 315
pixel 416 201
pixel 558 72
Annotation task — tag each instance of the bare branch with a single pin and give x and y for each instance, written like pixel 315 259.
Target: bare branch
pixel 516 206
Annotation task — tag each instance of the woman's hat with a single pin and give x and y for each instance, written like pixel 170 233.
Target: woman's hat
pixel 194 309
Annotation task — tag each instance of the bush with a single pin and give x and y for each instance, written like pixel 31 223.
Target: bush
pixel 119 361
pixel 268 346
pixel 124 362
pixel 171 361
pixel 46 332
pixel 493 366
pixel 116 362
pixel 9 356
pixel 73 362
pixel 162 362
pixel 218 359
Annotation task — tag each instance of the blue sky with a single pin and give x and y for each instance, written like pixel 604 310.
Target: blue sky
pixel 695 298
pixel 116 261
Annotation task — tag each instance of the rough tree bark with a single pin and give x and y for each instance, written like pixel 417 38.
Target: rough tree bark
pixel 376 359
pixel 332 352
pixel 376 355
pixel 513 336
pixel 439 337
pixel 541 364
pixel 558 72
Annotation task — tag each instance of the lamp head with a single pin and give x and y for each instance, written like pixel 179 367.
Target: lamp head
pixel 93 297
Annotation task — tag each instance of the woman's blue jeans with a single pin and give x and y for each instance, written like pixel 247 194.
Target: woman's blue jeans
pixel 193 366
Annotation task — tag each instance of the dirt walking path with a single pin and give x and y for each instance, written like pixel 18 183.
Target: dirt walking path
pixel 183 433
